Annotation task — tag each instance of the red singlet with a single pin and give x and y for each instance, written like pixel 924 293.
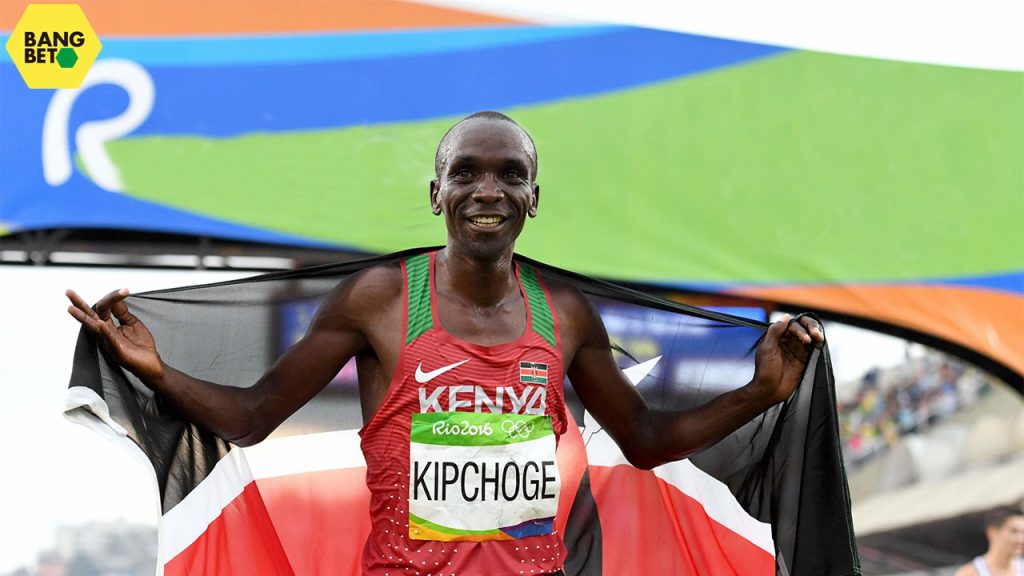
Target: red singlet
pixel 487 418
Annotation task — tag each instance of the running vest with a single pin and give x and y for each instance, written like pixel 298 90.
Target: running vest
pixel 460 457
pixel 982 567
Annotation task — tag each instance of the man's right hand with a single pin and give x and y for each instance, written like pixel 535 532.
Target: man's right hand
pixel 245 415
pixel 128 340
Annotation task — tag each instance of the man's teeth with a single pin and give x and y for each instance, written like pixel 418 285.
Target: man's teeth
pixel 486 220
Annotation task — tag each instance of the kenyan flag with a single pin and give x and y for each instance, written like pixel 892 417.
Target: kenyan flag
pixel 769 499
pixel 533 372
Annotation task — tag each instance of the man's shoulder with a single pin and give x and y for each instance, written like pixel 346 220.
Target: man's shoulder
pixel 566 297
pixel 577 315
pixel 365 294
pixel 382 280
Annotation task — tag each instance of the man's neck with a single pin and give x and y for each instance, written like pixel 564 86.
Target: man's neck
pixel 483 282
pixel 998 560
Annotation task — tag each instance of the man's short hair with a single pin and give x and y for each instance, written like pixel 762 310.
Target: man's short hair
pixel 998 517
pixel 441 156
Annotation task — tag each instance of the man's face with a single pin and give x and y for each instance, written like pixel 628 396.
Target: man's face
pixel 485 189
pixel 1009 536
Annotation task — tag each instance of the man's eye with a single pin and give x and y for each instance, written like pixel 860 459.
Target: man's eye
pixel 512 175
pixel 464 174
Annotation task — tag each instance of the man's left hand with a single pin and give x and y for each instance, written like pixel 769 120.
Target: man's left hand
pixel 782 355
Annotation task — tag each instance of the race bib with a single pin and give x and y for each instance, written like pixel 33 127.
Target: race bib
pixel 475 476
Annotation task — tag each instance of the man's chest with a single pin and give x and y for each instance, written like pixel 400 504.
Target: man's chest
pixel 387 334
pixel 515 383
pixel 441 372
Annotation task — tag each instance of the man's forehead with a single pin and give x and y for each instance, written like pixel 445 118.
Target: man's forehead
pixel 485 134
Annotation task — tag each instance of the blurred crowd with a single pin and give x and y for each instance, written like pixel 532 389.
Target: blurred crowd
pixel 905 399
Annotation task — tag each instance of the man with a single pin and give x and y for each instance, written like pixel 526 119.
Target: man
pixel 1005 532
pixel 459 445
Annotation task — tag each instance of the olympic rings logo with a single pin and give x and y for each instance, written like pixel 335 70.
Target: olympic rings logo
pixel 516 429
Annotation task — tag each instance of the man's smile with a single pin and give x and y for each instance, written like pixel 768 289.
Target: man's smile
pixel 486 221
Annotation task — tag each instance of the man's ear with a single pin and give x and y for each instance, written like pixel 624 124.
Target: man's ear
pixel 435 189
pixel 532 211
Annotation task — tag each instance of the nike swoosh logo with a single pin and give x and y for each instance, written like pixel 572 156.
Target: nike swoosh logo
pixel 423 377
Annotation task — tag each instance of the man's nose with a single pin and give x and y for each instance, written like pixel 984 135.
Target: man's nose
pixel 489 190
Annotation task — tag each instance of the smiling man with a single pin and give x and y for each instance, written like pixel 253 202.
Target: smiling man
pixel 461 356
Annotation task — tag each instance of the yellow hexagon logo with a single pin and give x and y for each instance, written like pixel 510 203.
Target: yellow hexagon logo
pixel 53 45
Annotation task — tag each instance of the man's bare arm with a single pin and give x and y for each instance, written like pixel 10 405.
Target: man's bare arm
pixel 650 437
pixel 244 416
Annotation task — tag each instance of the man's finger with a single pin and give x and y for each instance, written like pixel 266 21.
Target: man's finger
pixel 813 328
pixel 79 303
pixel 103 330
pixel 796 349
pixel 108 331
pixel 120 310
pixel 88 319
pixel 77 314
pixel 108 301
pixel 776 330
pixel 797 330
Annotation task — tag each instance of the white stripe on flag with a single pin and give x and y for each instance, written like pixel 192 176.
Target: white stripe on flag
pixel 186 522
pixel 84 407
pixel 714 496
pixel 305 453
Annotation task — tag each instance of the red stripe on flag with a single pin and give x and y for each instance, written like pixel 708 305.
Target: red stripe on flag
pixel 317 523
pixel 241 541
pixel 650 527
pixel 310 523
pixel 322 518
